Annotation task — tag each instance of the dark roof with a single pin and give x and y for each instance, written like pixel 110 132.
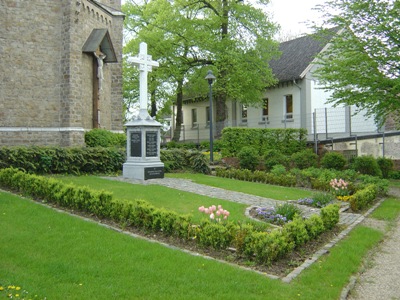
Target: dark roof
pixel 114 12
pixel 100 38
pixel 297 55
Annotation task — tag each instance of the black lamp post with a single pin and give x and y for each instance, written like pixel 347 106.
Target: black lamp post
pixel 210 78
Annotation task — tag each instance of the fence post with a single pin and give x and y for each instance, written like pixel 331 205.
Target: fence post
pixel 315 132
pixel 326 122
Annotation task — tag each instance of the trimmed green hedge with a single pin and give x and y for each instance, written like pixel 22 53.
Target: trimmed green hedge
pixel 98 160
pixel 58 160
pixel 286 141
pixel 265 246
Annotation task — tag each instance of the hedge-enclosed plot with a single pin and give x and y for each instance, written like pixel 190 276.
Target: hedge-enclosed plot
pixel 262 246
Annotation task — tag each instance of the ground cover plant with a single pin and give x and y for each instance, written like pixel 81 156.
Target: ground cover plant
pixel 93 262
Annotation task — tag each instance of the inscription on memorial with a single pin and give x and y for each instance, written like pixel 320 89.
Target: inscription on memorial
pixel 151 144
pixel 154 172
pixel 136 144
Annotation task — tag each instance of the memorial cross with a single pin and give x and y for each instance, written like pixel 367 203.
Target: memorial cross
pixel 144 62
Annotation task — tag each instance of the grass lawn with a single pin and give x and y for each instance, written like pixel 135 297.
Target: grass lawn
pixel 58 256
pixel 389 210
pixel 252 188
pixel 159 196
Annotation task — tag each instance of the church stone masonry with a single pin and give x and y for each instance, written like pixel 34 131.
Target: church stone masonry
pixel 50 86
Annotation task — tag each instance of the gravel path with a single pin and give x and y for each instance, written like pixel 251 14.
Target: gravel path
pixel 382 279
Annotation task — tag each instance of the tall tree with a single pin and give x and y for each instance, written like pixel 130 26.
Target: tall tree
pixel 362 64
pixel 230 37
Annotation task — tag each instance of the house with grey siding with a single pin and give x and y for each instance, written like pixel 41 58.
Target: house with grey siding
pixel 296 101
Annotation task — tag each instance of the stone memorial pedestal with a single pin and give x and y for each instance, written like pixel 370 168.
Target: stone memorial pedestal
pixel 143 149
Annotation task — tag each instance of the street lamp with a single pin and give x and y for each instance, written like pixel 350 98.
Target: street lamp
pixel 210 78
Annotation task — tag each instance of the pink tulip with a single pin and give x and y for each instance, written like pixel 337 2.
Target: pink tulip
pixel 212 216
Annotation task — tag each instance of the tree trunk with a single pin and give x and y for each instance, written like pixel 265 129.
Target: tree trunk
pixel 221 97
pixel 179 121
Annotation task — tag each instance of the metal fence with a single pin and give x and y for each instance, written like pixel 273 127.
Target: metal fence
pixel 322 124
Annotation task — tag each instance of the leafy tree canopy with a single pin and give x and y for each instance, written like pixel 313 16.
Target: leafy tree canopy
pixel 232 38
pixel 362 64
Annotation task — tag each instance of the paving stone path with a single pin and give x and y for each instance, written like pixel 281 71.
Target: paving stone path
pixel 218 193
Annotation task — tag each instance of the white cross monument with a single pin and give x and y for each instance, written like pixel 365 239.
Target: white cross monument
pixel 143 132
pixel 145 64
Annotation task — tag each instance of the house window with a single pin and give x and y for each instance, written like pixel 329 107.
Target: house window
pixel 288 107
pixel 244 113
pixel 194 117
pixel 208 115
pixel 264 116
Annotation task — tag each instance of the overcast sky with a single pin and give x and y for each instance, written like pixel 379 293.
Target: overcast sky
pixel 291 15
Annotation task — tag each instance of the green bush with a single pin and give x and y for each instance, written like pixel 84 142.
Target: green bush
pixel 296 231
pixel 394 175
pixel 215 235
pixel 381 185
pixel 104 138
pixel 278 170
pixel 363 198
pixel 304 159
pixel 248 158
pixel 199 163
pixel 330 216
pixel 274 157
pixel 180 159
pixel 314 226
pixel 333 160
pixel 366 165
pixel 386 166
pixel 268 247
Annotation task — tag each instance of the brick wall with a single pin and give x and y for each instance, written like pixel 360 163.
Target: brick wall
pixel 46 81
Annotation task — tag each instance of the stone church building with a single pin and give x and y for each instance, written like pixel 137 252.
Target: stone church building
pixel 60 70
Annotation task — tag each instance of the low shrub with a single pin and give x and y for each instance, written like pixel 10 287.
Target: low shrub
pixel 278 170
pixel 386 165
pixel 296 231
pixel 314 226
pixel 330 216
pixel 333 160
pixel 363 198
pixel 103 138
pixel 304 159
pixel 180 159
pixel 274 157
pixel 366 165
pixel 248 158
pixel 381 185
pixel 267 247
pixel 215 235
